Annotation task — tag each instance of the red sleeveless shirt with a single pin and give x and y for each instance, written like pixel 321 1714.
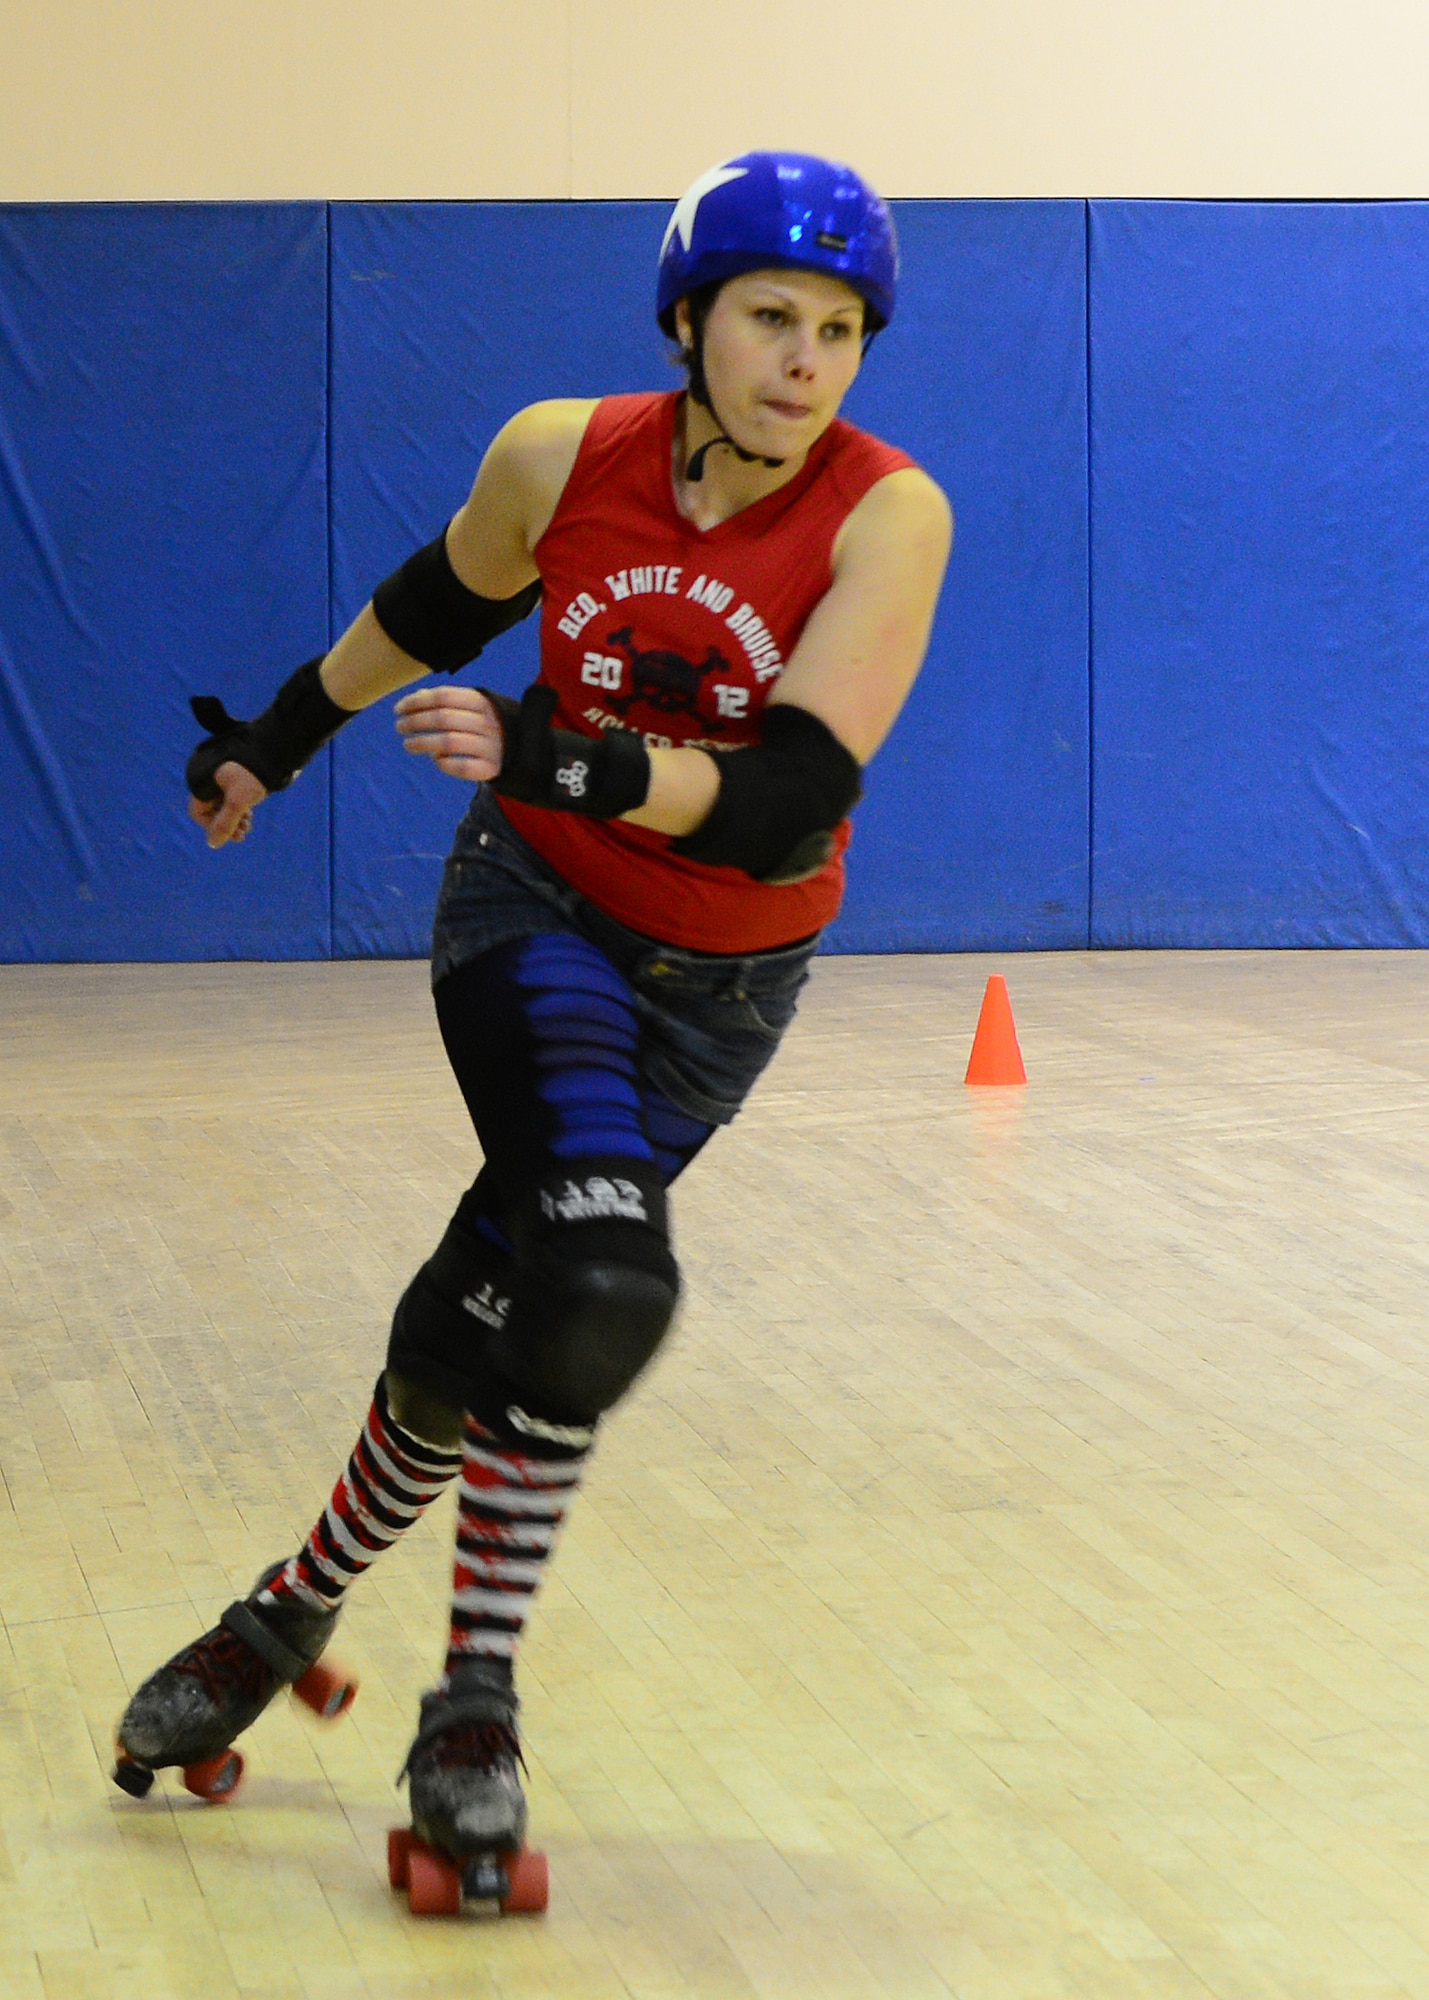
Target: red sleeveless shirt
pixel 650 623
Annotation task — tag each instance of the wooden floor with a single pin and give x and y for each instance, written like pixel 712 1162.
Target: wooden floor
pixel 1013 1583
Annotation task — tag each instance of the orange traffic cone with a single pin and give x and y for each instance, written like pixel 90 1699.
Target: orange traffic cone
pixel 995 1057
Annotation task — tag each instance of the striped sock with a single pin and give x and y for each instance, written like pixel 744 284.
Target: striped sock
pixel 391 1478
pixel 510 1506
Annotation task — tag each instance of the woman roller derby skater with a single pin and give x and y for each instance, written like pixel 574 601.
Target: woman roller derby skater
pixel 737 589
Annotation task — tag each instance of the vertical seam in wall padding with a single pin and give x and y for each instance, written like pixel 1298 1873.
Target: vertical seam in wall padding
pixel 1091 600
pixel 327 516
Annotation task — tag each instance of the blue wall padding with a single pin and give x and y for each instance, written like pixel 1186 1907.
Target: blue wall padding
pixel 1260 565
pixel 447 318
pixel 1254 675
pixel 973 832
pixel 163 531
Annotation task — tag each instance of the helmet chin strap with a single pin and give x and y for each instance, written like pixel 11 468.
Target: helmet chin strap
pixel 700 393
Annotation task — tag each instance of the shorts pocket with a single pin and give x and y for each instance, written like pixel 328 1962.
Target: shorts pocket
pixel 770 1009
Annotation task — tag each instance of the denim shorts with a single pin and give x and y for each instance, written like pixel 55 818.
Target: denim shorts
pixel 709 1023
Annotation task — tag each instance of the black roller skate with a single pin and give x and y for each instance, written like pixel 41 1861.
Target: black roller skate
pixel 468 1831
pixel 189 1711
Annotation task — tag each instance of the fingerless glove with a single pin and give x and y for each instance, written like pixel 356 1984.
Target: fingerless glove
pixel 275 745
pixel 600 776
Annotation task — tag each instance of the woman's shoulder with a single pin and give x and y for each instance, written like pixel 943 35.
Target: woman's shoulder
pixel 547 434
pixel 881 480
pixel 566 421
pixel 856 458
pixel 902 509
pixel 535 452
pixel 544 440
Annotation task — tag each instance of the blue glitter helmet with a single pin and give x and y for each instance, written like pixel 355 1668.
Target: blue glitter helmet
pixel 780 210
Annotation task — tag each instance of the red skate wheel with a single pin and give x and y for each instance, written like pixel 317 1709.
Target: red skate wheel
pixel 399 1846
pixel 216 1778
pixel 433 1883
pixel 327 1691
pixel 529 1882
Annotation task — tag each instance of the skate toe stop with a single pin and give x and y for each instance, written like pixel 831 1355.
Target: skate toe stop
pixel 132 1777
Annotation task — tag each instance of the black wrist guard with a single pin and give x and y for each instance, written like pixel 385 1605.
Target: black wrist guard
pixel 275 745
pixel 600 776
pixel 426 609
pixel 778 801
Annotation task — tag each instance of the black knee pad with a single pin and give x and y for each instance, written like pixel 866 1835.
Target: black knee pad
pixel 585 1334
pixel 447 1316
pixel 594 1291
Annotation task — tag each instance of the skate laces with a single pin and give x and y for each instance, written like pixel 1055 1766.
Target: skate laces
pixel 221 1663
pixel 457 1742
pixel 480 1745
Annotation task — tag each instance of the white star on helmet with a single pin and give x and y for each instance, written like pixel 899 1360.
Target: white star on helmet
pixel 687 207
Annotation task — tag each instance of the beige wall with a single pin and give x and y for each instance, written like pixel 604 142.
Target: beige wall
pixel 167 99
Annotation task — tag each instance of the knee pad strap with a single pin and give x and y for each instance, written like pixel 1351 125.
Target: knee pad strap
pixel 595 1287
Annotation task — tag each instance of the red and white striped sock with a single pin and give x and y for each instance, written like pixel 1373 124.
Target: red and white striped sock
pixel 391 1479
pixel 510 1506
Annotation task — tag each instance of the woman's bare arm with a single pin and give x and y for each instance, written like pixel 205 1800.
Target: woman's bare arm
pixel 489 543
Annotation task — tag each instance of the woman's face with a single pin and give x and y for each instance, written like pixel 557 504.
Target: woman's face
pixel 780 350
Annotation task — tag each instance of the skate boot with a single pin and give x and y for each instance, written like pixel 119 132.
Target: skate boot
pixel 468 1831
pixel 190 1710
pixel 462 1766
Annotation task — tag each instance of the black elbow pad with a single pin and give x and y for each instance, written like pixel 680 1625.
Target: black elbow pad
pixel 426 609
pixel 778 801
